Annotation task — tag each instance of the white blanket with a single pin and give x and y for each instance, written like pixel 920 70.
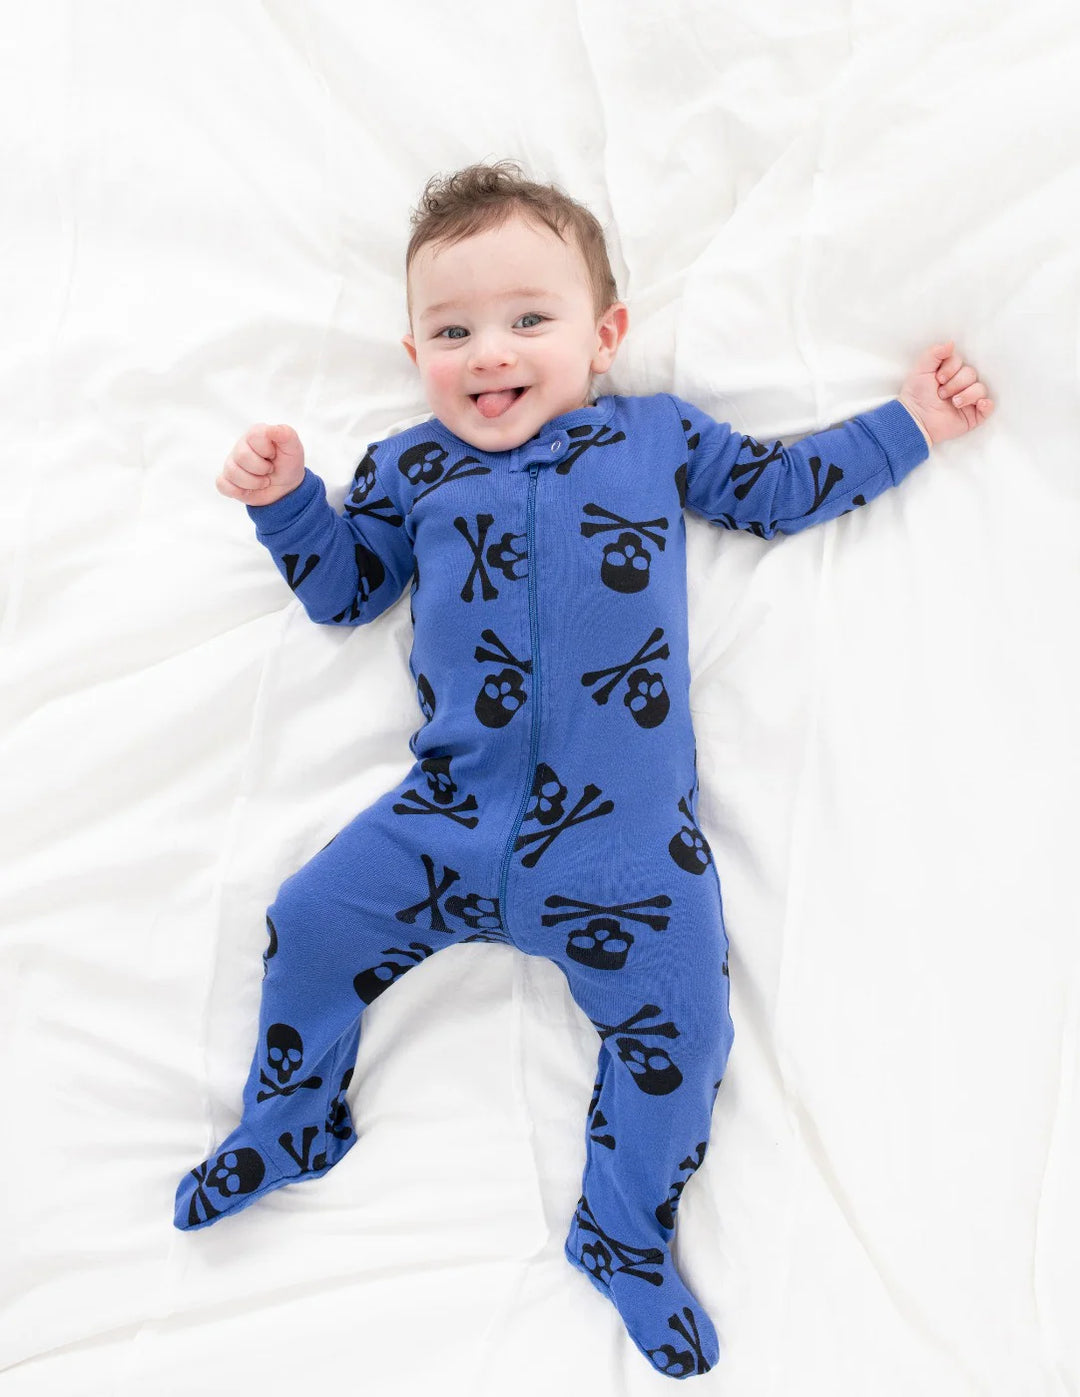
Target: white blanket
pixel 205 215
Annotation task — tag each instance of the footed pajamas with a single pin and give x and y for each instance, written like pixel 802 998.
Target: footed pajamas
pixel 552 805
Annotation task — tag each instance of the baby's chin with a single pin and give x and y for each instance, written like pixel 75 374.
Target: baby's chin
pixel 496 441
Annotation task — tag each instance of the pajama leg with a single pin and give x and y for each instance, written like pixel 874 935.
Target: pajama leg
pixel 663 1052
pixel 339 936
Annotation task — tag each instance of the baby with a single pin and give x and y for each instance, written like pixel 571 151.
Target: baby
pixel 553 802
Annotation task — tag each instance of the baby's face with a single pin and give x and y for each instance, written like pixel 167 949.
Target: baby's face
pixel 504 332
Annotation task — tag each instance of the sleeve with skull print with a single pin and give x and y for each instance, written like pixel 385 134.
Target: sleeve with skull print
pixel 346 569
pixel 765 489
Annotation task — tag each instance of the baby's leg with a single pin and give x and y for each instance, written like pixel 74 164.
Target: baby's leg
pixel 665 1044
pixel 351 922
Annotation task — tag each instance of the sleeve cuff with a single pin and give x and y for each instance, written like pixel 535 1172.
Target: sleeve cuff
pixel 898 434
pixel 926 434
pixel 271 518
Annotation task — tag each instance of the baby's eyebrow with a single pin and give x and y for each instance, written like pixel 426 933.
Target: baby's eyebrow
pixel 515 293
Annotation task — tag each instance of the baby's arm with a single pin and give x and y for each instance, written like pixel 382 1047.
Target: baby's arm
pixel 767 488
pixel 739 482
pixel 344 569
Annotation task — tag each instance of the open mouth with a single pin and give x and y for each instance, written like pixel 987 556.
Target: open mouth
pixel 495 404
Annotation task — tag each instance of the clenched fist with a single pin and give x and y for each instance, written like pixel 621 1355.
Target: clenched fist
pixel 265 464
pixel 945 394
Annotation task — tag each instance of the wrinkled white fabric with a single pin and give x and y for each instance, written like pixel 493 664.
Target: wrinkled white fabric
pixel 206 211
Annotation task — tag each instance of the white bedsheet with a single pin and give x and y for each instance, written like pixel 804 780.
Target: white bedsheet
pixel 205 214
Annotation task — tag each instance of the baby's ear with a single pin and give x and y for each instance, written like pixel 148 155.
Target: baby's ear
pixel 611 328
pixel 410 346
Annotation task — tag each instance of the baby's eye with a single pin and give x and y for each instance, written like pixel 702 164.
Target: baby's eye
pixel 529 315
pixel 452 332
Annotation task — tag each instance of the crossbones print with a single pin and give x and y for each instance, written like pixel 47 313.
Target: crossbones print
pixel 680 1363
pixel 426 464
pixel 600 1257
pixel 646 697
pixel 622 909
pixel 626 562
pixel 424 806
pixel 603 943
pixel 651 1068
pixel 363 483
pixel 544 838
pixel 603 436
pixel 507 555
pixel 502 694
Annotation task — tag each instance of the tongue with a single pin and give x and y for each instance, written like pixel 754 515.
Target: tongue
pixel 495 404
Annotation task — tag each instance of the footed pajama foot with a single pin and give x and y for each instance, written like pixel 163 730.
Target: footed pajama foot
pixel 238 1174
pixel 661 1316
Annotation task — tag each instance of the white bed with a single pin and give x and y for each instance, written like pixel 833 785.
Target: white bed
pixel 205 214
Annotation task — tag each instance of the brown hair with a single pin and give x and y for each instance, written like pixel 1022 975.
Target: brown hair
pixel 479 197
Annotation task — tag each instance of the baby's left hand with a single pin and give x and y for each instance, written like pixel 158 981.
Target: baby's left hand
pixel 945 394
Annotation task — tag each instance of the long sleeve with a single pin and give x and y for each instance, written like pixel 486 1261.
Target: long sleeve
pixel 346 568
pixel 741 483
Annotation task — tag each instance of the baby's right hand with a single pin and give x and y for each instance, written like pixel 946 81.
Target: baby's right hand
pixel 265 464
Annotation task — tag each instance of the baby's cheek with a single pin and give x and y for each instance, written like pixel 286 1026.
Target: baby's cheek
pixel 440 376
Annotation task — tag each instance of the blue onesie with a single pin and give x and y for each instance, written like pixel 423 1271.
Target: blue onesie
pixel 552 805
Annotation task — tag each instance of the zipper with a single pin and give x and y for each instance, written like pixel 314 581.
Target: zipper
pixel 534 695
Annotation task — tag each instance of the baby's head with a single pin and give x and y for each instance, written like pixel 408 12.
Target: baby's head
pixel 512 304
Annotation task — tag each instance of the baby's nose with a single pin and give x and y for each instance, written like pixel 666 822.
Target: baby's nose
pixel 492 349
